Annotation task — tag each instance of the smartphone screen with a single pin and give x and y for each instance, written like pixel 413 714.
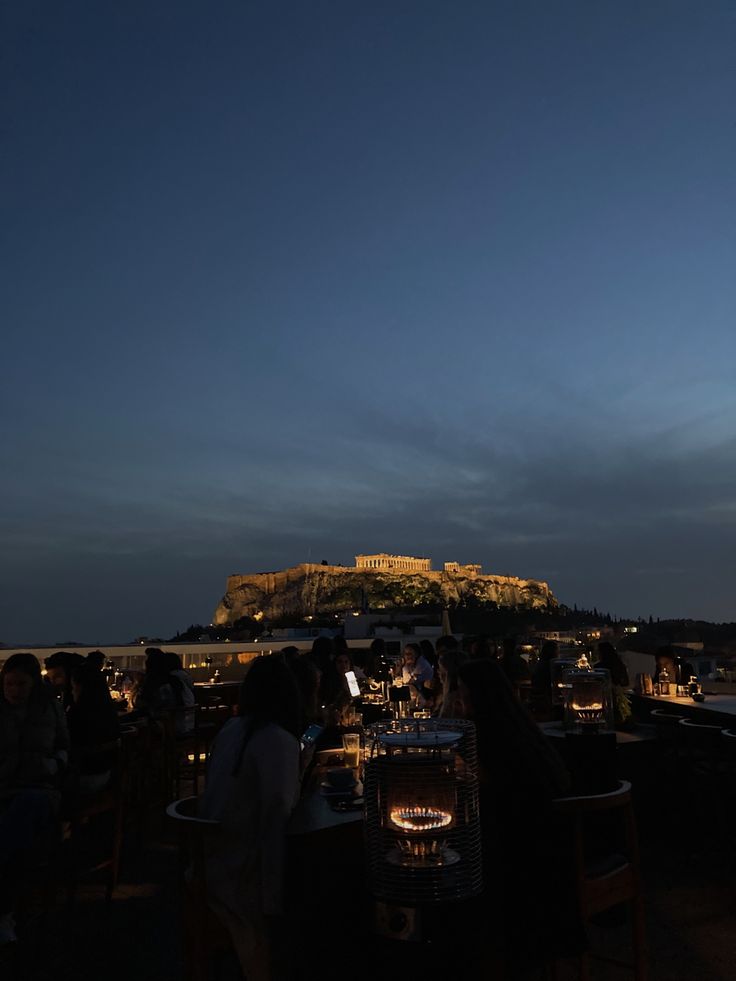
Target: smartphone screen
pixel 353 685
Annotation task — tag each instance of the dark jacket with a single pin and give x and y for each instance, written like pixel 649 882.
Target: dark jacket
pixel 91 724
pixel 34 745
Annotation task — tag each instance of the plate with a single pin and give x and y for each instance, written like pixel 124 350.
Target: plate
pixel 442 737
pixel 328 790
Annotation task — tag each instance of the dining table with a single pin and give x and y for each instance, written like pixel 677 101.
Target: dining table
pixel 326 897
pixel 599 759
pixel 226 691
pixel 639 733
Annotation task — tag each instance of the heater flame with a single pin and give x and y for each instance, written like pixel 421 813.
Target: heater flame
pixel 420 818
pixel 589 713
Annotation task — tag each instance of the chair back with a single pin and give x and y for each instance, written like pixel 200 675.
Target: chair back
pixel 213 715
pixel 661 718
pixel 193 831
pixel 203 933
pixel 699 737
pixel 598 893
pixel 666 724
pixel 730 740
pixel 610 879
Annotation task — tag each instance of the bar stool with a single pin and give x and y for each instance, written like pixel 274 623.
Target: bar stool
pixel 204 935
pixel 614 878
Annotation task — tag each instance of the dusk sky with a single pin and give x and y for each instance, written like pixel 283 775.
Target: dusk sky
pixel 293 281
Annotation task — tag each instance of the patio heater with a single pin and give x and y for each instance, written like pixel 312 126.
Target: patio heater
pixel 423 844
pixel 590 739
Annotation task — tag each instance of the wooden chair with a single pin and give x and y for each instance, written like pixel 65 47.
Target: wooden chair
pixel 614 878
pixel 191 752
pixel 204 934
pixel 86 809
pixel 705 775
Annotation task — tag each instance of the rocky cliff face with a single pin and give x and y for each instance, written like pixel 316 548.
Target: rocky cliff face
pixel 308 589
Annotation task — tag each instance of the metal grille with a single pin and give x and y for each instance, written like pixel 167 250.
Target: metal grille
pixel 422 812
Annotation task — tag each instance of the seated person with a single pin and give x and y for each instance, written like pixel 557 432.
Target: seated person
pixel 93 721
pixel 609 659
pixel 450 702
pixel 418 673
pixel 163 690
pixel 252 788
pixel 59 667
pixel 344 663
pixel 96 659
pixel 34 746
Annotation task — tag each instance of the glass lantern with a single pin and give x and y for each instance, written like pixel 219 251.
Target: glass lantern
pixel 558 667
pixel 589 698
pixel 399 697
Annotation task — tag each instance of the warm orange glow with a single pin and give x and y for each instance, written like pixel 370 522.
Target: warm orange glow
pixel 411 818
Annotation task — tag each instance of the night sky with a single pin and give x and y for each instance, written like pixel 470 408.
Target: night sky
pixel 292 281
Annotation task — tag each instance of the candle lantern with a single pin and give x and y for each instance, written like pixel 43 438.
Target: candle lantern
pixel 422 817
pixel 589 698
pixel 399 697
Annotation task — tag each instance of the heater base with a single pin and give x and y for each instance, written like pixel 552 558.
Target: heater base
pixel 398 922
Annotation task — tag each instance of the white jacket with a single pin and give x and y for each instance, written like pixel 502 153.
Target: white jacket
pixel 252 792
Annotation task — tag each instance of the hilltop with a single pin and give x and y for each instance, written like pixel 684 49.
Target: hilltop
pixel 309 589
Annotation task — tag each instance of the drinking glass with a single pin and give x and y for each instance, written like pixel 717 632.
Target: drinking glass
pixel 351 748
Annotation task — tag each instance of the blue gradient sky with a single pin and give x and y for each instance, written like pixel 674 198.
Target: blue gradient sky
pixel 290 281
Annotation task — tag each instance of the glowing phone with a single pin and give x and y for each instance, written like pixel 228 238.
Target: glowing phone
pixel 353 685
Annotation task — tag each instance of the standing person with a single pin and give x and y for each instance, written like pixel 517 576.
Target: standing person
pixel 481 647
pixel 514 666
pixel 376 665
pixel 252 787
pixel 524 865
pixel 540 701
pixel 446 643
pixel 609 659
pixel 96 660
pixel 330 682
pixel 428 652
pixel 34 746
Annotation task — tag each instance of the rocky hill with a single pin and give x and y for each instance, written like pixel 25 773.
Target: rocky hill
pixel 309 589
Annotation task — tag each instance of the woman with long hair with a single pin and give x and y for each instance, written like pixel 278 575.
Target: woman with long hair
pixel 450 704
pixel 525 868
pixel 252 787
pixel 93 721
pixel 34 747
